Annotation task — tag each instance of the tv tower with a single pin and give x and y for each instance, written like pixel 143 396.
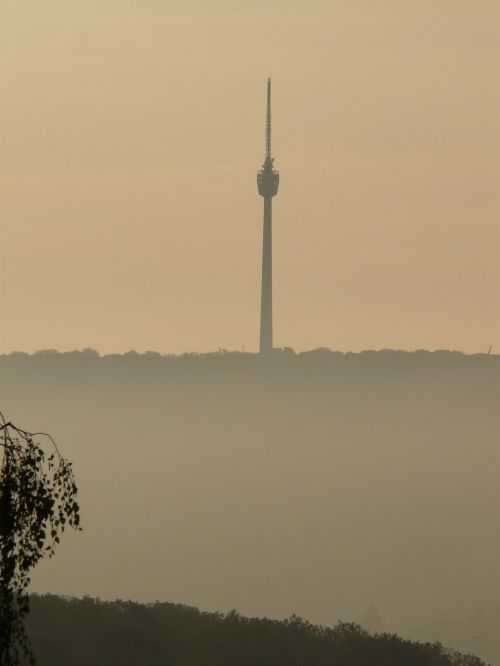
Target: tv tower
pixel 267 185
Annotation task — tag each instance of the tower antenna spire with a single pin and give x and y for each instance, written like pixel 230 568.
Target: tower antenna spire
pixel 268 121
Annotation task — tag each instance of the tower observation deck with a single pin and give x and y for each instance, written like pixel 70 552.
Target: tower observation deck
pixel 267 185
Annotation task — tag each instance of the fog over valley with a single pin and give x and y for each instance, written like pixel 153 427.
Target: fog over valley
pixel 317 484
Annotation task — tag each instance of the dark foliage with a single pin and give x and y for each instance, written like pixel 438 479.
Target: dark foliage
pixel 37 500
pixel 90 632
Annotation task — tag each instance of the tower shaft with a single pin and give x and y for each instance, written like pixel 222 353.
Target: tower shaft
pixel 266 299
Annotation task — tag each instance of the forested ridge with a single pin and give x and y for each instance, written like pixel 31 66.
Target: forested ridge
pixel 90 632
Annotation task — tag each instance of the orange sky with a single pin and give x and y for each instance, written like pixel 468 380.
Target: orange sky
pixel 131 133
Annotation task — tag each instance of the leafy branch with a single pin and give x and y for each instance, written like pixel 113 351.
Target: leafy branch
pixel 38 499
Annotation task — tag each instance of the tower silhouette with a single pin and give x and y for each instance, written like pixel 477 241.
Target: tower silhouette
pixel 267 185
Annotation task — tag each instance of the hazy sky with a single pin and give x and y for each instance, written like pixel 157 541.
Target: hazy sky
pixel 131 133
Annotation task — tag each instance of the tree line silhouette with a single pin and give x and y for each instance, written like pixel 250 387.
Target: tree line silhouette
pixel 88 632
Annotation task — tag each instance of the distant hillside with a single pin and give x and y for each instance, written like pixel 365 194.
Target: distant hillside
pixel 479 633
pixel 316 483
pixel 89 632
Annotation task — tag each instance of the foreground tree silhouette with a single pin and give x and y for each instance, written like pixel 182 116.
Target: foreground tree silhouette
pixel 38 499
